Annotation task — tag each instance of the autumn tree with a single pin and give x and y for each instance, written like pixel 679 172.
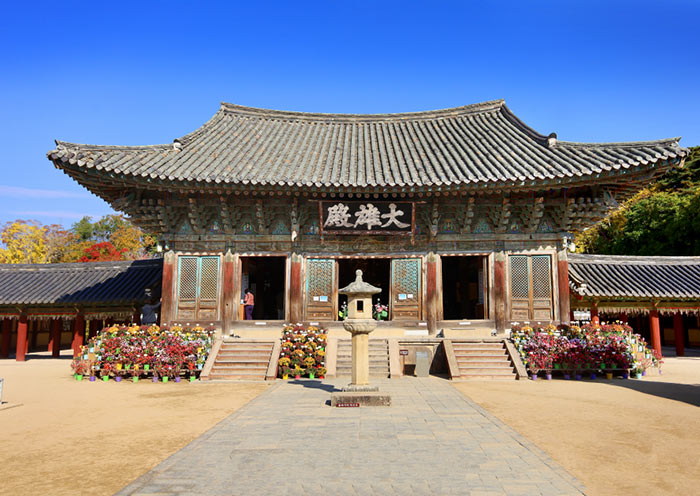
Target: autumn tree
pixel 102 252
pixel 24 242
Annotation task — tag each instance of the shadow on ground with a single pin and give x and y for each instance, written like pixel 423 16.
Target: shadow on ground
pixel 687 393
pixel 314 384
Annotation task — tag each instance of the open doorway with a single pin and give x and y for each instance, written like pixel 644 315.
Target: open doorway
pixel 375 271
pixel 464 287
pixel 265 277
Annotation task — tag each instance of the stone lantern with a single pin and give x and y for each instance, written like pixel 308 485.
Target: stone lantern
pixel 360 323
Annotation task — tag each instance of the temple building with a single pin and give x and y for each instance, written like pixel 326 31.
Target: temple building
pixel 461 216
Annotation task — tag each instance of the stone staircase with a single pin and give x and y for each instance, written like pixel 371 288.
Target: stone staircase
pixel 378 358
pixel 242 359
pixel 483 360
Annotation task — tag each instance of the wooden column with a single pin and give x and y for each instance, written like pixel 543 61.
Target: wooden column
pixel 55 337
pixel 96 326
pixel 563 283
pixel 679 333
pixel 594 314
pixel 431 291
pixel 21 338
pixel 167 307
pixel 499 290
pixel 624 318
pixel 296 301
pixel 655 329
pixel 230 298
pixel 6 337
pixel 135 318
pixel 78 333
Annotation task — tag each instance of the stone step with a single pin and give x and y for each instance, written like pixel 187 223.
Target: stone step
pixel 485 370
pixel 383 361
pixel 486 377
pixel 239 348
pixel 480 353
pixel 241 359
pixel 503 363
pixel 239 365
pixel 482 358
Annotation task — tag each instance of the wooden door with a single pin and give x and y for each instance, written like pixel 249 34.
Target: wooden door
pixel 406 288
pixel 321 288
pixel 531 287
pixel 198 288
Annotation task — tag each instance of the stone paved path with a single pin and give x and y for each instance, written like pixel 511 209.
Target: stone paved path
pixel 433 440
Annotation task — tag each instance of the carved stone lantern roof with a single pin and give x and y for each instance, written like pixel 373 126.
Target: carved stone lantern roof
pixel 359 288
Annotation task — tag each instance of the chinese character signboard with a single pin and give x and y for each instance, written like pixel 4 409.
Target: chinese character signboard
pixel 366 217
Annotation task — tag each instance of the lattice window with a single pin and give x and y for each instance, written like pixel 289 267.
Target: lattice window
pixel 541 277
pixel 188 278
pixel 209 280
pixel 519 277
pixel 319 277
pixel 406 276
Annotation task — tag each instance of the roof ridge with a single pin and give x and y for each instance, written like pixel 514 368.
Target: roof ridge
pixel 623 144
pixel 82 265
pixel 88 146
pixel 594 258
pixel 312 116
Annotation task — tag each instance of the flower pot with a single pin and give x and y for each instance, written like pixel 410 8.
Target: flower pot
pixel 146 367
pixel 593 376
pixel 135 378
pixel 177 378
pixel 578 377
pixel 165 379
pixel 609 376
pixel 602 366
pixel 119 366
pixel 78 377
pixel 639 376
pixel 199 366
pixel 548 377
pixel 625 375
pixel 311 376
pixel 567 377
pixel 644 372
pixel 285 377
pixel 155 378
pixel 92 378
pixel 297 376
pixel 557 366
pixel 118 378
pixel 533 376
pixel 192 378
pixel 105 378
pixel 321 376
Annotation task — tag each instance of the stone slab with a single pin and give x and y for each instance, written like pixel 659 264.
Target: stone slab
pixel 350 398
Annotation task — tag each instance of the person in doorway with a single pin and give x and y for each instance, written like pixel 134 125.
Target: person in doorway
pixel 148 312
pixel 248 304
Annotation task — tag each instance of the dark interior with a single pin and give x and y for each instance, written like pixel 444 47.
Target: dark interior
pixel 266 280
pixel 461 297
pixel 376 271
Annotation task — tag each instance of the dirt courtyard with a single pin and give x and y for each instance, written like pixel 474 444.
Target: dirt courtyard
pixel 617 437
pixel 71 437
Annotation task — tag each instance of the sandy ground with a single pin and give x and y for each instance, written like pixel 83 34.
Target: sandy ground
pixel 70 437
pixel 617 437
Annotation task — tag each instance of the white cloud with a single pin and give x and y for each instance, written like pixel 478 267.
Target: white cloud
pixel 18 192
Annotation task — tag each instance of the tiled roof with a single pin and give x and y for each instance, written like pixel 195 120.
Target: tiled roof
pixel 79 283
pixel 624 277
pixel 480 145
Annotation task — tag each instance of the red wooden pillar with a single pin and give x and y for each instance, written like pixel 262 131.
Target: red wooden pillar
pixel 21 338
pixel 95 327
pixel 167 308
pixel 594 314
pixel 135 318
pixel 678 332
pixel 563 286
pixel 6 336
pixel 230 299
pixel 655 329
pixel 55 337
pixel 296 304
pixel 623 318
pixel 78 333
pixel 431 291
pixel 499 290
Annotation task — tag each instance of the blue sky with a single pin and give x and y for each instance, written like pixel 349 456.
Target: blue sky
pixel 131 73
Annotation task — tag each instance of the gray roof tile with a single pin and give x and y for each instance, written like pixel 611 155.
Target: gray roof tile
pixel 477 145
pixel 79 283
pixel 625 277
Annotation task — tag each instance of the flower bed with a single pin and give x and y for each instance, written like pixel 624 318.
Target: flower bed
pixel 592 347
pixel 135 351
pixel 303 351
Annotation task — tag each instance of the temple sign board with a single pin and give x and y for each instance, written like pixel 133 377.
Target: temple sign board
pixel 366 217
